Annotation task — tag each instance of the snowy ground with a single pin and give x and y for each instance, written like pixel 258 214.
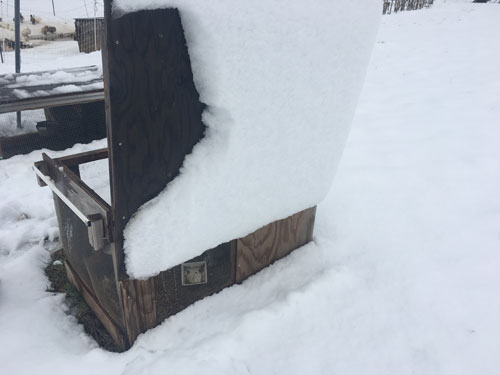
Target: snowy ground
pixel 403 276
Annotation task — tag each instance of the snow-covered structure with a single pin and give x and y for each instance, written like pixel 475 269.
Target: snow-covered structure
pixel 225 121
pixel 280 82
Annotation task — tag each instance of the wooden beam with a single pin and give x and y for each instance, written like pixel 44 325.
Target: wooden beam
pixel 84 157
pixel 139 306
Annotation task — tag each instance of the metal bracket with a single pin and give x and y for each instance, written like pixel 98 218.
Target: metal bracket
pixel 94 223
pixel 96 232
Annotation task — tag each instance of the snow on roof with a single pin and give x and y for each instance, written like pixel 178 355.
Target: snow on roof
pixel 281 81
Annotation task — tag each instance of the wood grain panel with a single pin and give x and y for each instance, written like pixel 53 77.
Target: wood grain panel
pixel 139 308
pixel 153 110
pixel 272 242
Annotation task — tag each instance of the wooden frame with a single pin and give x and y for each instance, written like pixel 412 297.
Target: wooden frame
pixel 152 125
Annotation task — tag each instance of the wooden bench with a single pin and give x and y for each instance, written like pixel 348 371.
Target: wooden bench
pixel 73 100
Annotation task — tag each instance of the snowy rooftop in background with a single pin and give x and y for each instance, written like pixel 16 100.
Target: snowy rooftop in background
pixel 281 80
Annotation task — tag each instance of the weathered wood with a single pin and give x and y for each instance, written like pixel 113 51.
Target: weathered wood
pixel 84 157
pixel 139 306
pixel 45 94
pixel 272 242
pixel 153 112
pixel 109 323
pixel 148 302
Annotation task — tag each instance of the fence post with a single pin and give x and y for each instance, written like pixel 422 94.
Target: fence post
pixel 17 32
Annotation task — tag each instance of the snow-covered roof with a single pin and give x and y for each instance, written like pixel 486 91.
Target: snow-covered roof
pixel 281 81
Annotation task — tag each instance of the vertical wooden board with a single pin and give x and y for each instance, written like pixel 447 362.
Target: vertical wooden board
pixel 153 110
pixel 139 309
pixel 272 242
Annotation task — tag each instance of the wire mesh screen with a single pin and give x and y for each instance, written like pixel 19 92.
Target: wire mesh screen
pixel 55 128
pixel 88 33
pixel 9 125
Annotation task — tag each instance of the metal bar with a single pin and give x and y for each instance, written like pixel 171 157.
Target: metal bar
pixel 48 181
pixel 17 34
pixel 51 101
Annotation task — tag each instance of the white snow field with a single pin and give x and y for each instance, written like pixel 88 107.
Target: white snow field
pixel 403 276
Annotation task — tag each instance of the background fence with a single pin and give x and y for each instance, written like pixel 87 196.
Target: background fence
pixel 395 6
pixel 45 27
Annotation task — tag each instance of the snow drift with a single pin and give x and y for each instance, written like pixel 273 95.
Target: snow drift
pixel 281 81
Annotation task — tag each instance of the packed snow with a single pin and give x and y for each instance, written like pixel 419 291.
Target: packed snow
pixel 403 276
pixel 56 77
pixel 276 125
